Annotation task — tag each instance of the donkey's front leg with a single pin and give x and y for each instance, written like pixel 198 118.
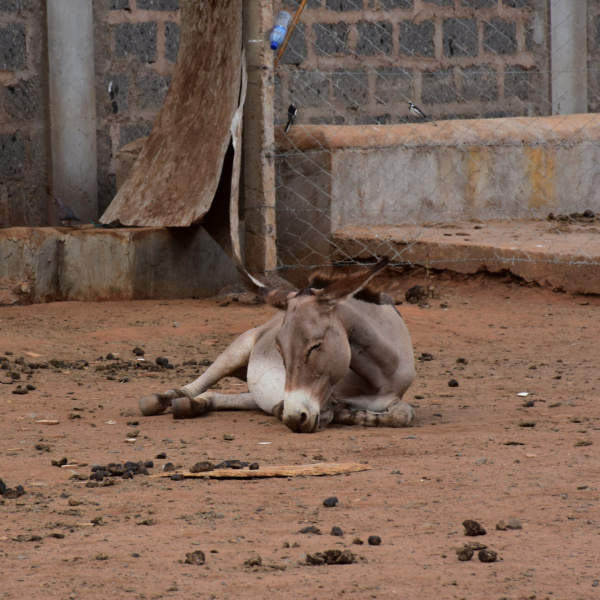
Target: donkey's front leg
pixel 233 359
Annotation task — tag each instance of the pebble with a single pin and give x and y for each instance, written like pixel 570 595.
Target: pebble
pixel 510 524
pixel 462 361
pixel 374 540
pixel 473 528
pixel 169 467
pixel 162 361
pixel 138 351
pixel 330 502
pixel 337 531
pixel 453 383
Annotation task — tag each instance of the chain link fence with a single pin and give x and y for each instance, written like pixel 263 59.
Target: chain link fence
pixel 494 174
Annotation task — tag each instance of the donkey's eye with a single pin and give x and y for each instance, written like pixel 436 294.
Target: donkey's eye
pixel 313 348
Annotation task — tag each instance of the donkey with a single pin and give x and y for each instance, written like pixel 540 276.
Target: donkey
pixel 337 352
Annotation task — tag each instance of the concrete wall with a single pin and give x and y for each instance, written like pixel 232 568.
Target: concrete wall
pixel 349 62
pixel 460 171
pixel 24 170
pixel 358 62
pixel 46 264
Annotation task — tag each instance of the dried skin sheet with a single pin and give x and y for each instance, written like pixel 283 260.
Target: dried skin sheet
pixel 173 182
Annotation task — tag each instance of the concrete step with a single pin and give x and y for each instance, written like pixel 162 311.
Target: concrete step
pixel 42 264
pixel 564 255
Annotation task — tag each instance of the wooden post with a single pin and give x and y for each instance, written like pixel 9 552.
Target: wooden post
pixel 258 141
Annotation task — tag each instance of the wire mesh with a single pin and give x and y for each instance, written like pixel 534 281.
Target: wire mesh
pixel 492 174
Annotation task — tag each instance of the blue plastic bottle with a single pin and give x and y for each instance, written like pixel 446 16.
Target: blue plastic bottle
pixel 282 22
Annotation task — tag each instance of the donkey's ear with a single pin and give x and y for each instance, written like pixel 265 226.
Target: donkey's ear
pixel 277 298
pixel 347 286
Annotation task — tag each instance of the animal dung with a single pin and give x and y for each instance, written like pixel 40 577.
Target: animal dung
pixel 330 502
pixel 473 528
pixel 331 557
pixel 195 558
pixel 465 553
pixel 487 555
pixel 374 540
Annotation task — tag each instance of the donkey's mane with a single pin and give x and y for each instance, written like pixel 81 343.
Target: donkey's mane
pixel 372 292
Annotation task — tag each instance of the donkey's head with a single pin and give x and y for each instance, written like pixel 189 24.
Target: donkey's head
pixel 313 343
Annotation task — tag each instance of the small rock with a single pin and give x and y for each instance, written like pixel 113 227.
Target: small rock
pixel 473 528
pixel 337 531
pixel 161 455
pixel 487 555
pixel 254 466
pixel 60 463
pixel 357 541
pixel 374 540
pixel 228 437
pixel 169 467
pixel 462 361
pixel 465 553
pixel 453 383
pixel 195 558
pixel 177 477
pixel 330 502
pixel 253 561
pixel 162 361
pixel 138 351
pixel 510 524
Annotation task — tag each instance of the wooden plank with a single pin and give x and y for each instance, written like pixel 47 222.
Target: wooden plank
pixel 316 470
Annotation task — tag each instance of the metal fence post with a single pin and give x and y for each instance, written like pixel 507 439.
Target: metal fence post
pixel 258 162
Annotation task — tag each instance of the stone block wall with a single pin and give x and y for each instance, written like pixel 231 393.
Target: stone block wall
pixel 360 61
pixel 349 62
pixel 23 113
pixel 136 48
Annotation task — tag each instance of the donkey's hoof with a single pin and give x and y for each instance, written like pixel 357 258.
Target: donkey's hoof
pixel 152 405
pixel 185 408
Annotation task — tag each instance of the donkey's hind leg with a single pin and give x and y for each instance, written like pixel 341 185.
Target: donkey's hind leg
pixel 194 407
pixel 398 414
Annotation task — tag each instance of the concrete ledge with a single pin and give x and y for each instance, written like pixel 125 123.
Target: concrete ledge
pixel 563 257
pixel 85 263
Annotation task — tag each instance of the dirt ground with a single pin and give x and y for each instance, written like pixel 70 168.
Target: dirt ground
pixel 481 450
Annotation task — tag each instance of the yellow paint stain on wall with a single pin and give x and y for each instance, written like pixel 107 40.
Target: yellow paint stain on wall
pixel 540 168
pixel 477 173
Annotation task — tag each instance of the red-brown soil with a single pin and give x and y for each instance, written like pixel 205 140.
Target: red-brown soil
pixel 475 452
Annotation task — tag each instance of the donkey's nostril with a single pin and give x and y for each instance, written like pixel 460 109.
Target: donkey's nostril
pixel 303 417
